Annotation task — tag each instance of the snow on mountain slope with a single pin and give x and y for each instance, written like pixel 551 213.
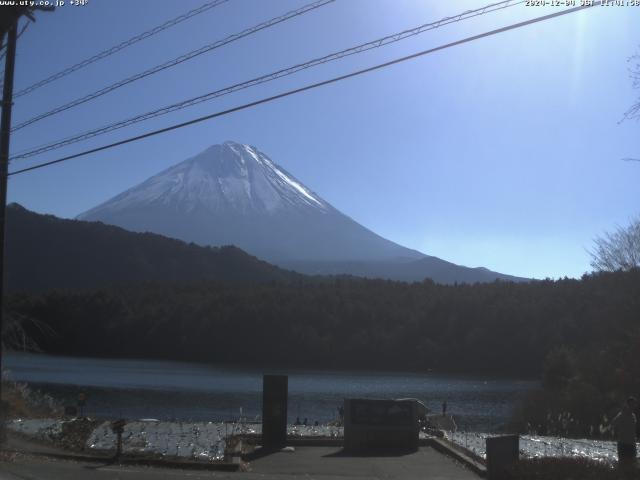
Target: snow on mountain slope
pixel 228 177
pixel 235 194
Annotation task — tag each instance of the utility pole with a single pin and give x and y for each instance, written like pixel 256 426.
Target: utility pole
pixel 8 25
pixel 5 134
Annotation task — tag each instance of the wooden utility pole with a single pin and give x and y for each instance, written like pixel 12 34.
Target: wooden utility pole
pixel 5 135
pixel 9 26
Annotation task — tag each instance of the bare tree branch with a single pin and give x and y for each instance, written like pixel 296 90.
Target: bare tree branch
pixel 14 332
pixel 634 73
pixel 619 250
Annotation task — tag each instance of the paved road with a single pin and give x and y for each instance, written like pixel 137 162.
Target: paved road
pixel 322 463
pixel 330 462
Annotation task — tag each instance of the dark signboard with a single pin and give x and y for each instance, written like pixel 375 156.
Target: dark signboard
pixel 118 425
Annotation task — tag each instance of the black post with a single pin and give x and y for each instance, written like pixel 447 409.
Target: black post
pixel 82 400
pixel 502 452
pixel 118 428
pixel 5 134
pixel 275 389
pixel 119 445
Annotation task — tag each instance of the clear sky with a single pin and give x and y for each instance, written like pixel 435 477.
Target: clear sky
pixel 503 153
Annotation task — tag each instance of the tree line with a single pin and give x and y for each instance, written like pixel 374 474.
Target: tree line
pixel 582 337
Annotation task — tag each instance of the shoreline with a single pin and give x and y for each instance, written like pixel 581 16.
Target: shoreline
pixel 208 442
pixel 250 367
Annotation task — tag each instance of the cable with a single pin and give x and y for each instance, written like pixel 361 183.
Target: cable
pixel 265 78
pixel 110 51
pixel 308 87
pixel 176 61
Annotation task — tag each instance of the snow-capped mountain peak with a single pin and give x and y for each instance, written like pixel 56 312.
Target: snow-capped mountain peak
pixel 228 177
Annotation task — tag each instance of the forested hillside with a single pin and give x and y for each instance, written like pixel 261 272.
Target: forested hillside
pixel 45 252
pixel 352 323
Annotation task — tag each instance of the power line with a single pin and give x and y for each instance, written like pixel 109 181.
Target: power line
pixel 267 78
pixel 110 51
pixel 176 61
pixel 308 87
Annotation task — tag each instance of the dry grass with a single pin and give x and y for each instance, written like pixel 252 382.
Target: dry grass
pixel 20 401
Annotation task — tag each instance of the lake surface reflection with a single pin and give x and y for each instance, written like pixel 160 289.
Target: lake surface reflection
pixel 195 392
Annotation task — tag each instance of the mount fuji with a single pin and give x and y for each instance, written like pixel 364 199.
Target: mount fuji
pixel 233 194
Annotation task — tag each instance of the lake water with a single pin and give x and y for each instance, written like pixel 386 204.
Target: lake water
pixel 136 389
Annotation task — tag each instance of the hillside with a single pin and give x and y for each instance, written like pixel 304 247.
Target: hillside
pixel 45 252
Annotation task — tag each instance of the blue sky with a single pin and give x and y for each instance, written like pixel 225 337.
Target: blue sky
pixel 504 153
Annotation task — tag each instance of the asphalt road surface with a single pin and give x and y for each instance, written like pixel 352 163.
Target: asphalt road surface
pixel 312 462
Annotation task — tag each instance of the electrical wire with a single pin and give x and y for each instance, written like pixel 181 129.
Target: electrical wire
pixel 308 87
pixel 266 78
pixel 110 51
pixel 176 61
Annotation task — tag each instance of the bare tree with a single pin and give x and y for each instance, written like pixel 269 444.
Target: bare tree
pixel 619 250
pixel 634 73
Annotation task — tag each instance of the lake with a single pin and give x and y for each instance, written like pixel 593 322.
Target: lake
pixel 136 389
